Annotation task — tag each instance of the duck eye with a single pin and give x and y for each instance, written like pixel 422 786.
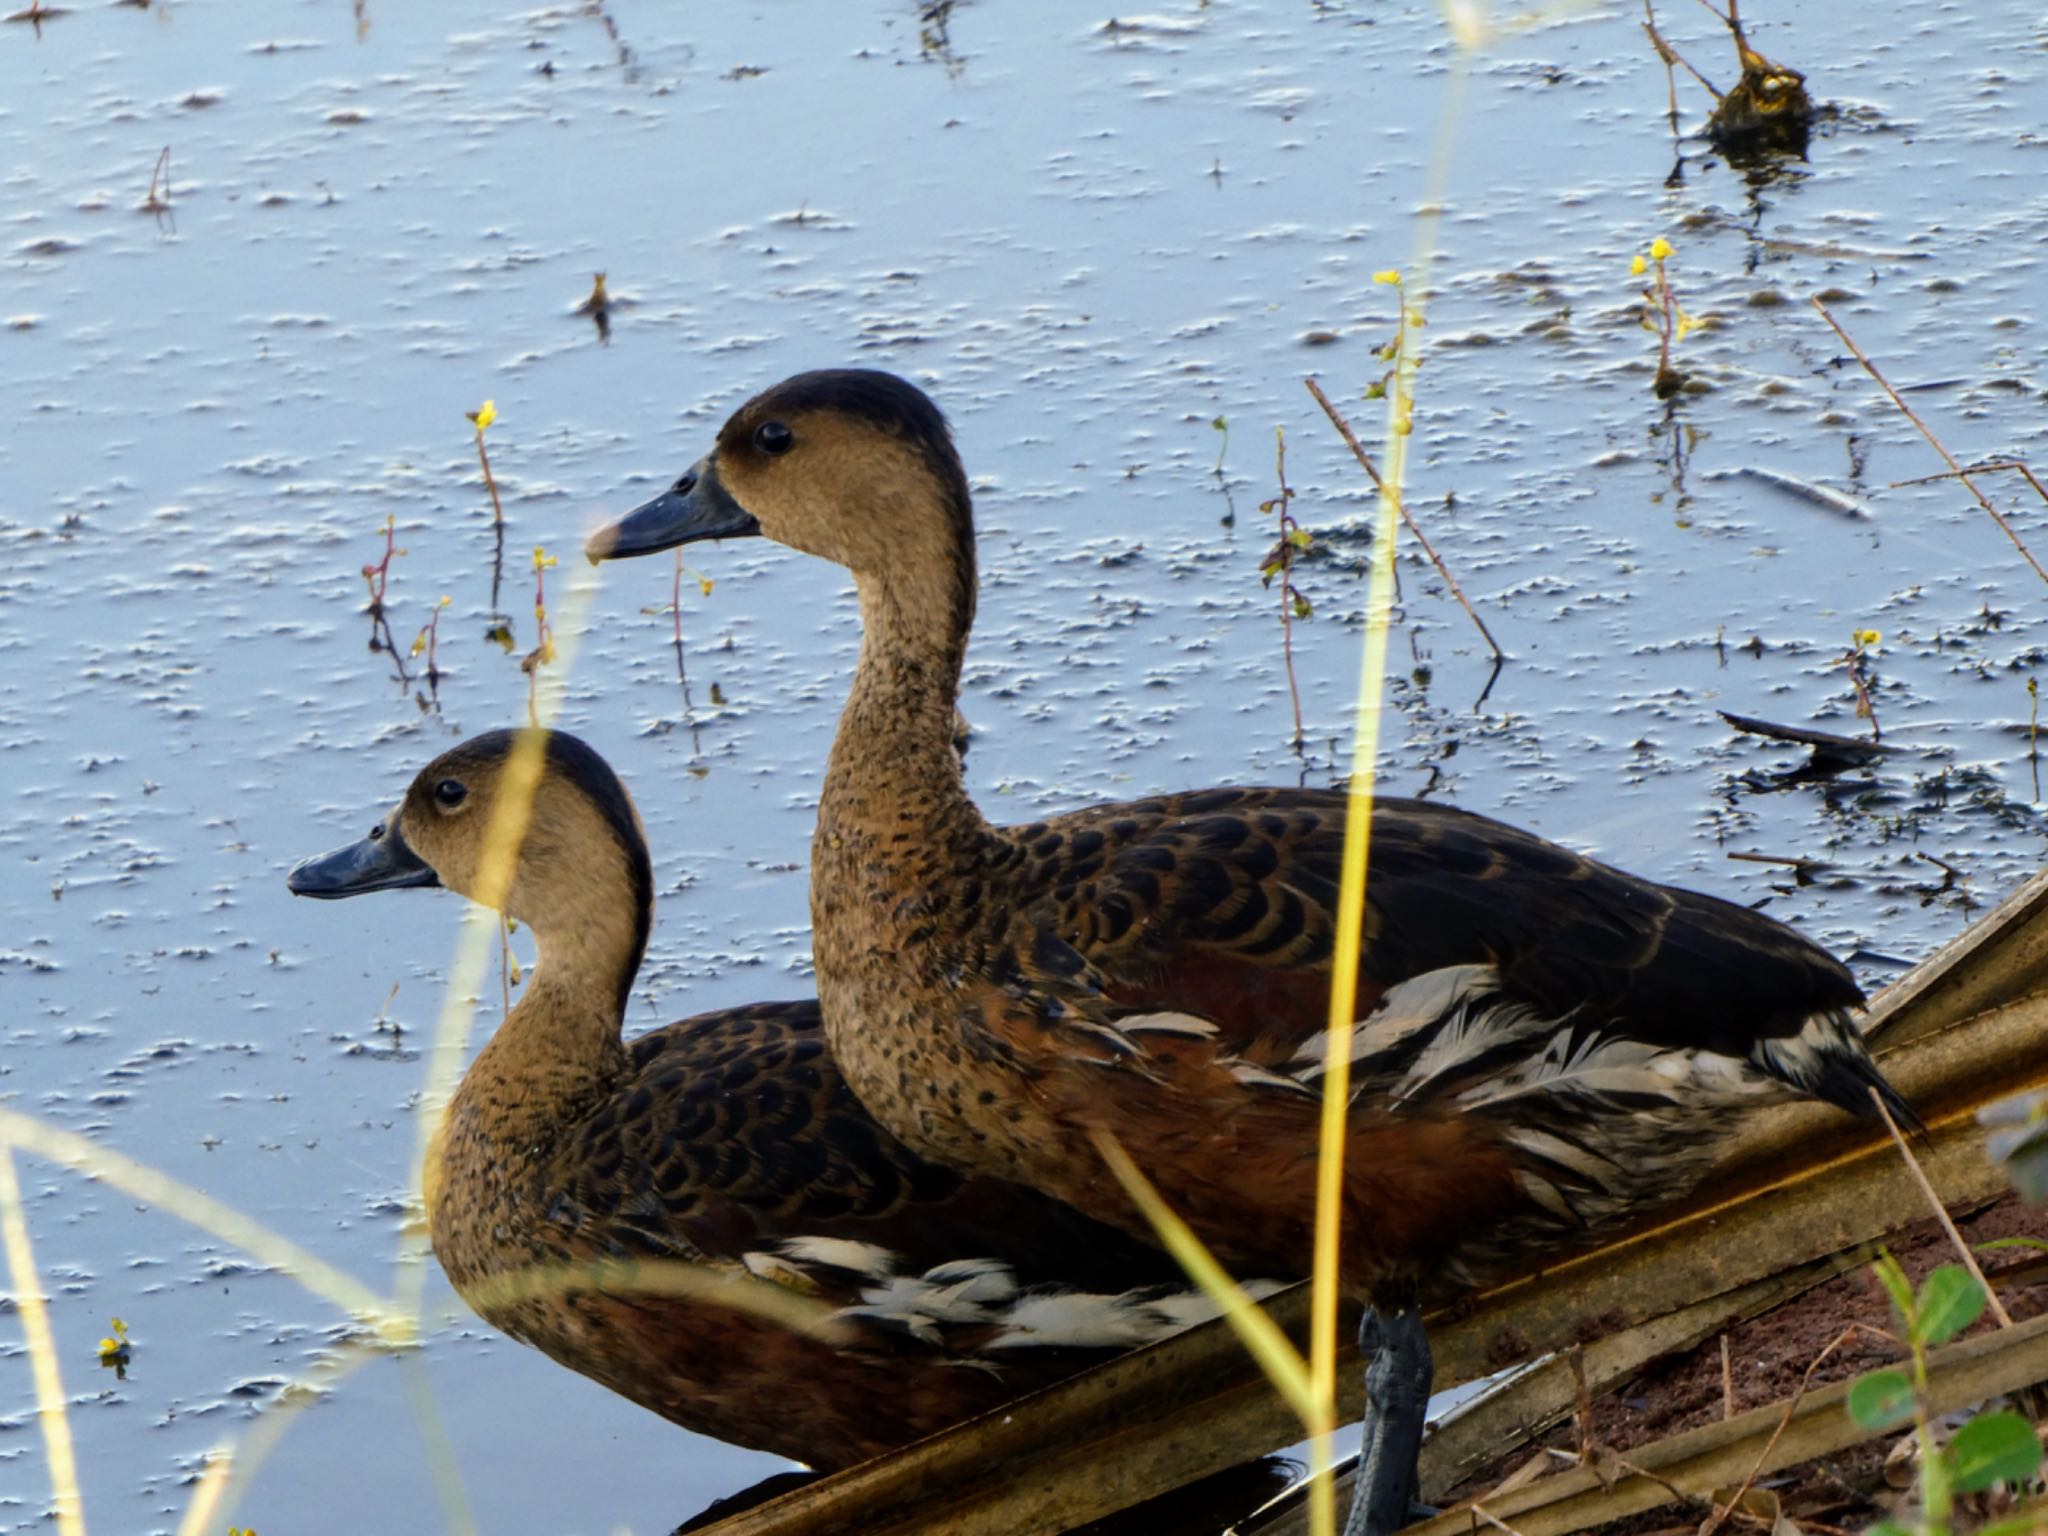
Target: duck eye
pixel 450 793
pixel 773 437
pixel 377 833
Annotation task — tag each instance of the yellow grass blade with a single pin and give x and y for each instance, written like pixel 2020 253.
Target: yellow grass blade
pixel 472 950
pixel 204 1516
pixel 733 1289
pixel 1365 739
pixel 1261 1337
pixel 208 1214
pixel 243 1458
pixel 42 1352
pixel 437 1448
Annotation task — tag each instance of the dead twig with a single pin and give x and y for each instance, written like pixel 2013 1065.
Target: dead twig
pixel 1721 1512
pixel 1727 1382
pixel 159 199
pixel 1934 442
pixel 1991 466
pixel 1941 1212
pixel 1365 462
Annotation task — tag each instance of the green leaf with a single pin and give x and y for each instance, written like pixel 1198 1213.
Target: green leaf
pixel 1896 1285
pixel 1994 1448
pixel 1893 1528
pixel 2024 1524
pixel 2035 1243
pixel 1881 1400
pixel 1950 1300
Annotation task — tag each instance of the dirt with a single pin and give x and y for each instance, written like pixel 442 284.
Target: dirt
pixel 1767 1359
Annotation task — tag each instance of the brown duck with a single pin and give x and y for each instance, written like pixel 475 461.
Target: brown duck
pixel 1551 1043
pixel 730 1141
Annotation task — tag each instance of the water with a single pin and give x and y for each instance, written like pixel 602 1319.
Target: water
pixel 1090 242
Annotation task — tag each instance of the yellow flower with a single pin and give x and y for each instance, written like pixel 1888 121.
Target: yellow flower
pixel 704 585
pixel 1660 248
pixel 445 601
pixel 115 1347
pixel 1638 267
pixel 541 558
pixel 484 415
pixel 1866 638
pixel 1392 275
pixel 1685 323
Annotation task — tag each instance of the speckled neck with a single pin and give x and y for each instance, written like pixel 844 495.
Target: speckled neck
pixel 894 766
pixel 556 1051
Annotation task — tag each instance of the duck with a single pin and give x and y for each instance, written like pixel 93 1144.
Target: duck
pixel 729 1141
pixel 1547 1045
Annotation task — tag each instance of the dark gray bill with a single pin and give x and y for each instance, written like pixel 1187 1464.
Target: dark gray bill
pixel 695 507
pixel 383 861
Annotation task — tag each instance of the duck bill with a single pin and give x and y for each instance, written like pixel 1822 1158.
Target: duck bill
pixel 384 862
pixel 696 507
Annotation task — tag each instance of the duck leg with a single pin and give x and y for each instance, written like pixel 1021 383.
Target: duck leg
pixel 1397 1377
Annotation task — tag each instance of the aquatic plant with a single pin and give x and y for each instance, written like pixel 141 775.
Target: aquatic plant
pixel 377 573
pixel 377 577
pixel 114 1349
pixel 428 643
pixel 1863 645
pixel 598 305
pixel 1294 540
pixel 543 650
pixel 159 199
pixel 1766 112
pixel 1662 314
pixel 481 419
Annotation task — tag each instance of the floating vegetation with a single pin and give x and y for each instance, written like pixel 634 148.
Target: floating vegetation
pixel 1662 315
pixel 1294 540
pixel 1765 114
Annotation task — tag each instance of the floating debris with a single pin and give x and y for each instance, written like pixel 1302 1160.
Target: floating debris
pixel 1831 754
pixel 1826 497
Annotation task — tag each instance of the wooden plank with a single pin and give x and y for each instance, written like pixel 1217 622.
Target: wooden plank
pixel 1479 1433
pixel 1802 1184
pixel 1998 959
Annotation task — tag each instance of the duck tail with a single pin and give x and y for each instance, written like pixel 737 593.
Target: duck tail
pixel 1827 1059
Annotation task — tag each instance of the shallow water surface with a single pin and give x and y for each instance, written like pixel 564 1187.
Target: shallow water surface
pixel 1092 237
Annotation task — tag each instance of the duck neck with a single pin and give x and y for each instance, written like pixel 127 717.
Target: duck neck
pixel 894 763
pixel 559 1047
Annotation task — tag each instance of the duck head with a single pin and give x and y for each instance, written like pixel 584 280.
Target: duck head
pixel 852 465
pixel 580 879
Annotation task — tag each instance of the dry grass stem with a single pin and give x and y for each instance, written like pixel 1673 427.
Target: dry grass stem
pixel 1721 1512
pixel 33 1308
pixel 1989 467
pixel 28 1134
pixel 1671 56
pixel 1259 1334
pixel 1934 442
pixel 456 1514
pixel 1400 505
pixel 1941 1212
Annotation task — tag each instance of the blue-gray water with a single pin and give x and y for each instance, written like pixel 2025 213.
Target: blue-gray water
pixel 1089 241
